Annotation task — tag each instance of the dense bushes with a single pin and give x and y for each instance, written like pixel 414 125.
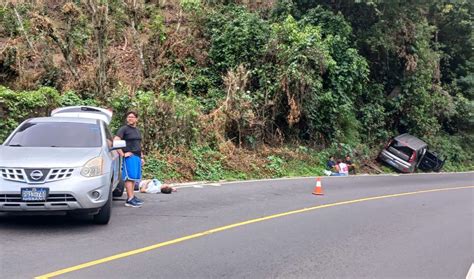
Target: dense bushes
pixel 236 37
pixel 308 78
pixel 15 107
pixel 167 120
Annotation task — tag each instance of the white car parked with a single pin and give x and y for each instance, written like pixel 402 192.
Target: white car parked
pixel 64 163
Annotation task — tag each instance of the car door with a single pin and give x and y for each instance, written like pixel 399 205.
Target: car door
pixel 113 155
pixel 431 162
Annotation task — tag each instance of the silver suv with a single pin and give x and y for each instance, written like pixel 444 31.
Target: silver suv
pixel 407 153
pixel 64 163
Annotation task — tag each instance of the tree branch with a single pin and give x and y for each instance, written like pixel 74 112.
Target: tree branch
pixel 22 28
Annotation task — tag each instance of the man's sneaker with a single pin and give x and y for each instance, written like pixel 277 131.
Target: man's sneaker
pixel 133 203
pixel 138 200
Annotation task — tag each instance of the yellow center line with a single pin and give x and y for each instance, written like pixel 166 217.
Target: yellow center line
pixel 223 228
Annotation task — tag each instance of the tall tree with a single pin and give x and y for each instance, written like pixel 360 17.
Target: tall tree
pixel 98 10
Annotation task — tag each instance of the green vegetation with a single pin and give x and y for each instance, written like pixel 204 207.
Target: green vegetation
pixel 245 89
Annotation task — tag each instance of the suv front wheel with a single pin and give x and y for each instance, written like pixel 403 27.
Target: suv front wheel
pixel 103 217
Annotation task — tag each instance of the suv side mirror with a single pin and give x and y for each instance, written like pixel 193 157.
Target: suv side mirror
pixel 118 144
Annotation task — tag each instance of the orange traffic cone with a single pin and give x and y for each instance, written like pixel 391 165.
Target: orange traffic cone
pixel 318 190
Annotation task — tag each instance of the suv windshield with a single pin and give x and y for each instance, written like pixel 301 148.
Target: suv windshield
pixel 57 134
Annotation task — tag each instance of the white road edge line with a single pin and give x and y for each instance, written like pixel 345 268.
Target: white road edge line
pixel 182 187
pixel 470 273
pixel 339 177
pixel 223 182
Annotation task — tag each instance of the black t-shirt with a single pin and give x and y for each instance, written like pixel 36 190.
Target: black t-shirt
pixel 133 138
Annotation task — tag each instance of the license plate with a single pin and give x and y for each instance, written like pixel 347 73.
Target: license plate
pixel 34 194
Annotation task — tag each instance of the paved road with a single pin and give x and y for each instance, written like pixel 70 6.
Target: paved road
pixel 418 235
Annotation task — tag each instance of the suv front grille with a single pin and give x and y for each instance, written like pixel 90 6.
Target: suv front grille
pixel 13 174
pixel 21 175
pixel 58 174
pixel 51 198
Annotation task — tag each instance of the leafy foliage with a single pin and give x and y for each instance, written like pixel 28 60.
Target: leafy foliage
pixel 15 107
pixel 208 163
pixel 162 117
pixel 236 37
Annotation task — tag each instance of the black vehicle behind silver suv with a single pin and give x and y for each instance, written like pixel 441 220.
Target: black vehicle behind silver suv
pixel 407 153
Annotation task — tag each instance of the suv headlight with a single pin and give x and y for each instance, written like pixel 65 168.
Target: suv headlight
pixel 93 167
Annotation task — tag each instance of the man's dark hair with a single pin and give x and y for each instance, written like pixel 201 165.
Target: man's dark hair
pixel 166 190
pixel 131 112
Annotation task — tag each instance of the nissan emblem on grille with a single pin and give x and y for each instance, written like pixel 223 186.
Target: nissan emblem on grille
pixel 36 175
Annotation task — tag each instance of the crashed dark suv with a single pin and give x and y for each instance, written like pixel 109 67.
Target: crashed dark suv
pixel 407 153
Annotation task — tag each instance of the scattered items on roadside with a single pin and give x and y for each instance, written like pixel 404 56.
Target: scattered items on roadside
pixel 372 166
pixel 154 186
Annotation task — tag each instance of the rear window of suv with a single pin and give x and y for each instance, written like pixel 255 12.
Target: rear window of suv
pixel 401 150
pixel 57 134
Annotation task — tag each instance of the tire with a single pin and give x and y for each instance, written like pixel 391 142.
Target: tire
pixel 103 217
pixel 118 192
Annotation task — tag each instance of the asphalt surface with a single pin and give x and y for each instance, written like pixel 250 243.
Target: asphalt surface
pixel 423 235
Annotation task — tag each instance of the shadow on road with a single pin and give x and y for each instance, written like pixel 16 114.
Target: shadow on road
pixel 39 221
pixel 35 221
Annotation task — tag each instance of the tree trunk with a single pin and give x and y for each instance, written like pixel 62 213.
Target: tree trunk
pixel 99 12
pixel 22 28
pixel 133 7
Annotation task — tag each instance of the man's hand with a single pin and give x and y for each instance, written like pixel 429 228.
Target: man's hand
pixel 127 154
pixel 143 161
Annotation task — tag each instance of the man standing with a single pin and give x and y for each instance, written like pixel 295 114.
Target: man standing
pixel 132 157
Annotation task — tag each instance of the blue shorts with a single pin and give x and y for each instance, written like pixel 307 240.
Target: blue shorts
pixel 132 168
